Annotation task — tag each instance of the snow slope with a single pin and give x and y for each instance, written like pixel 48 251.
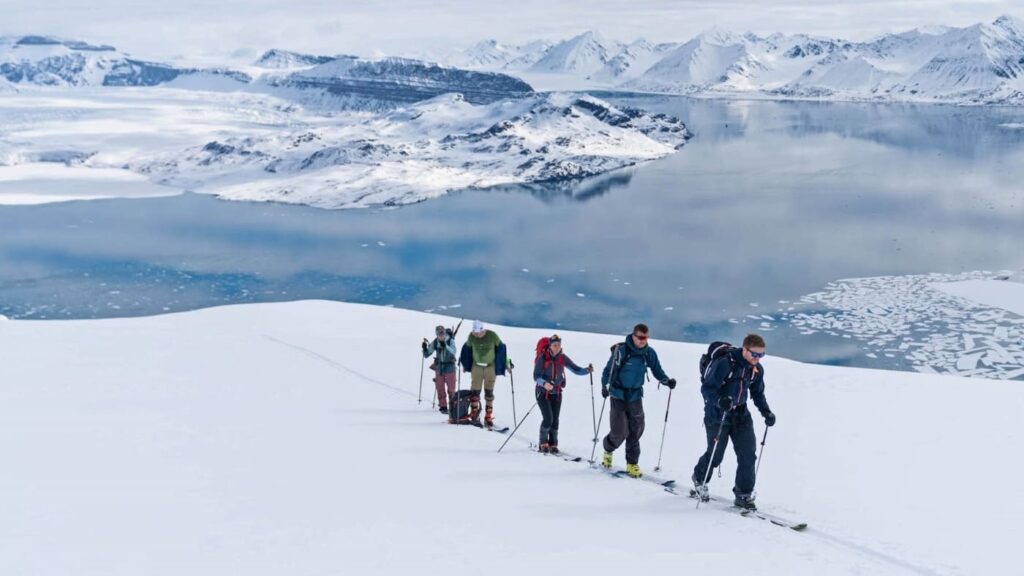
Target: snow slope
pixel 287 438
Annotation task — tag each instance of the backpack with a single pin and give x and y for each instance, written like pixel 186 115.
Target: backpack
pixel 624 357
pixel 715 351
pixel 460 406
pixel 542 350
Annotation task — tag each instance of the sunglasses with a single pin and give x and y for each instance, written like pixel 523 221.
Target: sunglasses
pixel 755 354
pixel 640 337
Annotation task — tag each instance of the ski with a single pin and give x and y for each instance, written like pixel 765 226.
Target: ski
pixel 621 473
pixel 559 454
pixel 726 506
pixel 618 472
pixel 498 429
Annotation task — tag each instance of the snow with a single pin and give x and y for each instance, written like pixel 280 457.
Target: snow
pixel 994 293
pixel 286 438
pixel 41 183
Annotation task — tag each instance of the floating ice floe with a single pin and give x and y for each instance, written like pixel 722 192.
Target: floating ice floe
pixel 912 317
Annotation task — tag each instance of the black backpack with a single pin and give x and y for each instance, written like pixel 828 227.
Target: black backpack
pixel 715 351
pixel 461 405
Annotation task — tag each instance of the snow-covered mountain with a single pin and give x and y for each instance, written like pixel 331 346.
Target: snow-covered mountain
pixel 493 55
pixel 424 150
pixel 284 59
pixel 48 61
pixel 983 63
pixel 582 55
pixel 350 82
pixel 704 61
pixel 632 60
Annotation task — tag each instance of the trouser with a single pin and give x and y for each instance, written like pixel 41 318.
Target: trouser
pixel 550 404
pixel 626 420
pixel 441 379
pixel 483 377
pixel 739 426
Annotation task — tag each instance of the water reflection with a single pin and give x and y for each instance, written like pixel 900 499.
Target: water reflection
pixel 770 201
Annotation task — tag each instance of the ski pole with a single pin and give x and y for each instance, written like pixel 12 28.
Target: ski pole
pixel 512 381
pixel 513 432
pixel 593 410
pixel 663 429
pixel 711 457
pixel 593 450
pixel 423 360
pixel 761 452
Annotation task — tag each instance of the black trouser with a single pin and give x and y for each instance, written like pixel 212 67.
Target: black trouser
pixel 626 420
pixel 550 405
pixel 740 427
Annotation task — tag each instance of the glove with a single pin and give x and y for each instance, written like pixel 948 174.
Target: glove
pixel 670 383
pixel 724 403
pixel 424 346
pixel 604 391
pixel 590 368
pixel 769 419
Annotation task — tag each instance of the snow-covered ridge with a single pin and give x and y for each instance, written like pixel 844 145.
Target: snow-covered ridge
pixel 359 83
pixel 326 82
pixel 979 64
pixel 423 151
pixel 284 59
pixel 48 61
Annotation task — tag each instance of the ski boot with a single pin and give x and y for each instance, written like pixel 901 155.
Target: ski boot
pixel 699 490
pixel 606 460
pixel 443 409
pixel 544 448
pixel 552 449
pixel 745 501
pixel 633 470
pixel 489 416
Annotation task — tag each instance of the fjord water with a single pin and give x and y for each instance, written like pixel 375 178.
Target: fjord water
pixel 768 202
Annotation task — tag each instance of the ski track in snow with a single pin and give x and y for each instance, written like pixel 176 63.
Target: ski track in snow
pixel 339 366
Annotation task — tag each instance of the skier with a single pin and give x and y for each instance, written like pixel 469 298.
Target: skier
pixel 443 346
pixel 623 380
pixel 549 375
pixel 485 357
pixel 725 387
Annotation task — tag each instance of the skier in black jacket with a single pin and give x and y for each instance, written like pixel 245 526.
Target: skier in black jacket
pixel 729 381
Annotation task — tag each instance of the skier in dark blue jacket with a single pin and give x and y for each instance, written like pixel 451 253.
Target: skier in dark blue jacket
pixel 623 379
pixel 729 381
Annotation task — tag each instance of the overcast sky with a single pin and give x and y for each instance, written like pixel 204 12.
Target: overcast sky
pixel 192 28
